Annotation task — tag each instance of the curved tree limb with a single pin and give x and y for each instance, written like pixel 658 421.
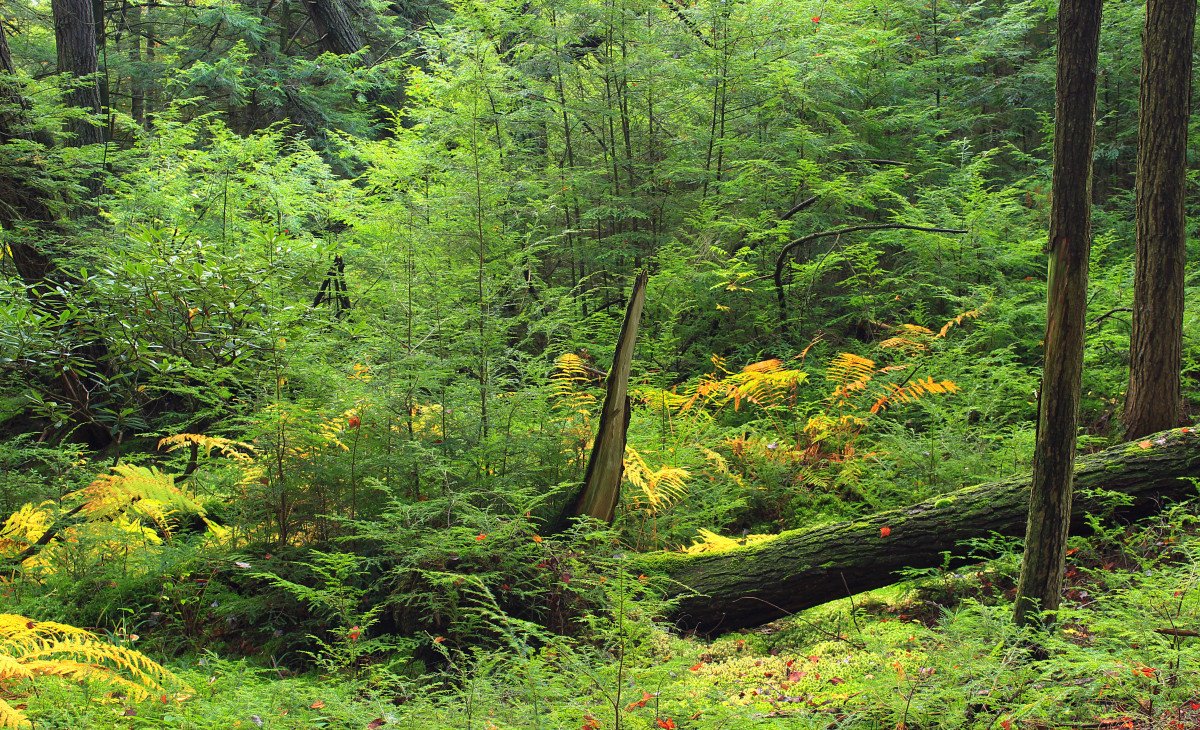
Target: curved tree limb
pixel 788 249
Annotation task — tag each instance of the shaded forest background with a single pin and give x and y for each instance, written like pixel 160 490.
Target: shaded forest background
pixel 334 286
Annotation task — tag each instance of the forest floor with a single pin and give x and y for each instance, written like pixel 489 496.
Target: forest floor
pixel 938 651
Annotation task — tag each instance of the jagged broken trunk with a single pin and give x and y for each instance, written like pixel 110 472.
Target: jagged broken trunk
pixel 802 568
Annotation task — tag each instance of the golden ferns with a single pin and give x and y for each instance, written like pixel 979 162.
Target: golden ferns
pixel 912 391
pixel 766 384
pixel 30 650
pixel 660 487
pixel 207 444
pixel 849 373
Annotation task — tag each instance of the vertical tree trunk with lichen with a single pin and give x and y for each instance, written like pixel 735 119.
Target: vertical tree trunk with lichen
pixel 1153 401
pixel 1042 566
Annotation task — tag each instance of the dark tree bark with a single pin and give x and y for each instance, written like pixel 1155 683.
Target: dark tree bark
pixel 335 30
pixel 1042 567
pixel 1153 401
pixel 748 586
pixel 75 36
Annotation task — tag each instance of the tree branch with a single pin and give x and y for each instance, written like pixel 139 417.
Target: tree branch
pixel 788 249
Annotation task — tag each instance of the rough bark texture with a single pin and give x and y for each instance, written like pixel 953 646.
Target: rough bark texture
pixel 75 37
pixel 1069 247
pixel 335 31
pixel 602 486
pixel 799 569
pixel 1153 401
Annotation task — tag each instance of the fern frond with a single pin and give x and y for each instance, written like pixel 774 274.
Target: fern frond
pixel 849 373
pixel 764 366
pixel 907 344
pixel 11 718
pixel 661 487
pixel 30 650
pixel 915 330
pixel 912 392
pixel 568 385
pixel 957 321
pixel 127 484
pixel 207 444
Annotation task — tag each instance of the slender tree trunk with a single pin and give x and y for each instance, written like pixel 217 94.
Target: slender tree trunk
pixel 75 36
pixel 1042 568
pixel 1153 401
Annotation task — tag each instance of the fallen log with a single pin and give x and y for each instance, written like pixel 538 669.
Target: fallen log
pixel 798 569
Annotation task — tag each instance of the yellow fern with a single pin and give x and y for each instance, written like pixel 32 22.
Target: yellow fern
pixel 766 384
pixel 912 391
pixel 849 373
pixel 31 650
pixel 957 321
pixel 568 385
pixel 207 444
pixel 140 489
pixel 661 487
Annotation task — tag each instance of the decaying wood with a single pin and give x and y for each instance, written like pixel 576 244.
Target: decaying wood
pixel 602 485
pixel 752 585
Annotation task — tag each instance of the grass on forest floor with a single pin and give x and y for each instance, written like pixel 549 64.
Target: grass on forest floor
pixel 939 652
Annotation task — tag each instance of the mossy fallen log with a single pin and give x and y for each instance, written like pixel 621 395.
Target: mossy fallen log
pixel 798 569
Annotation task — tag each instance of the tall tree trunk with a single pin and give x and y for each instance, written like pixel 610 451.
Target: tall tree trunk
pixel 1153 401
pixel 75 36
pixel 1070 244
pixel 335 30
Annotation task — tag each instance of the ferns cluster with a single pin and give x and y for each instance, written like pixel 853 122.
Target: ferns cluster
pixel 30 650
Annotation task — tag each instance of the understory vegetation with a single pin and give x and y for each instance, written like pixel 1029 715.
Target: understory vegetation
pixel 301 362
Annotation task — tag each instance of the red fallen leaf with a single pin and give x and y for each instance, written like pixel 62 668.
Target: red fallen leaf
pixel 885 531
pixel 438 639
pixel 1144 444
pixel 1006 724
pixel 814 658
pixel 1196 705
pixel 789 663
pixel 1148 671
pixel 353 422
pixel 665 723
pixel 836 680
pixel 816 18
pixel 696 667
pixel 480 537
pixel 317 705
pixel 355 632
pixel 162 699
pixel 796 676
pixel 590 723
pixel 646 697
pixel 376 723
